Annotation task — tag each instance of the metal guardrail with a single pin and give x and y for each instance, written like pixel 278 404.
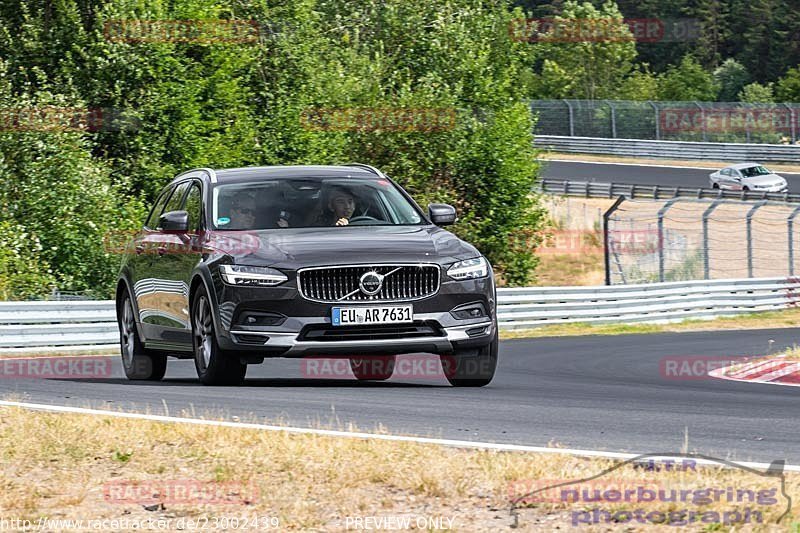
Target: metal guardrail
pixel 651 302
pixel 67 325
pixel 44 326
pixel 670 149
pixel 590 189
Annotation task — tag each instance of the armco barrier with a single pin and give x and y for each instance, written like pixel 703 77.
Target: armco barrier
pixel 43 326
pixel 652 302
pixel 711 151
pixel 590 189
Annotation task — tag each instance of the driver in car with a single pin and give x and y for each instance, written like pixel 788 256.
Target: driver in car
pixel 342 204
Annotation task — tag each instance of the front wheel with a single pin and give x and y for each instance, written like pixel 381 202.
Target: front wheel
pixel 138 362
pixel 214 365
pixel 471 367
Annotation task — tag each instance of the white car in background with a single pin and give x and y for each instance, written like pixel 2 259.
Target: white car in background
pixel 748 177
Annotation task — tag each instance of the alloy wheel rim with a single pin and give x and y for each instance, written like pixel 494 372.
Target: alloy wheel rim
pixel 203 331
pixel 127 333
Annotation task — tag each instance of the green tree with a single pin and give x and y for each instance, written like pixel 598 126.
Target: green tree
pixel 592 60
pixel 755 93
pixel 687 81
pixel 731 77
pixel 788 89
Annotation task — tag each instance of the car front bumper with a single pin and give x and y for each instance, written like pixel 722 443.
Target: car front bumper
pixel 444 333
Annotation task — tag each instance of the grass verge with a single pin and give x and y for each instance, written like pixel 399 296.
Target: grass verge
pixel 789 318
pixel 66 466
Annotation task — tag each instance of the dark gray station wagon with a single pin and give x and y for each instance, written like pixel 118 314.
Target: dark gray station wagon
pixel 236 265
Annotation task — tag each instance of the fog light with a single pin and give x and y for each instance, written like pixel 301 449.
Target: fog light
pixel 468 311
pixel 251 318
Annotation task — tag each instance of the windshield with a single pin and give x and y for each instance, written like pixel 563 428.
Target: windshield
pixel 311 202
pixel 750 172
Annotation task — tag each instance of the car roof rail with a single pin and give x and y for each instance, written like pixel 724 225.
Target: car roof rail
pixel 210 171
pixel 367 167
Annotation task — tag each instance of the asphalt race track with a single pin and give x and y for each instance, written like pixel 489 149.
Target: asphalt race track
pixel 591 392
pixel 640 174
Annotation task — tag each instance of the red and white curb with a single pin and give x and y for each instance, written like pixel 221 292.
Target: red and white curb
pixel 772 370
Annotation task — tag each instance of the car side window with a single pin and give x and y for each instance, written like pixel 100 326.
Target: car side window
pixel 726 172
pixel 158 208
pixel 194 206
pixel 176 198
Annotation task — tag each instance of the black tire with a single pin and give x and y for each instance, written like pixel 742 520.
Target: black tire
pixel 138 362
pixel 373 368
pixel 214 365
pixel 715 186
pixel 746 188
pixel 471 367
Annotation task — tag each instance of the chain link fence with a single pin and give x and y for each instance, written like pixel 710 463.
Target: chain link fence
pixel 689 239
pixel 728 122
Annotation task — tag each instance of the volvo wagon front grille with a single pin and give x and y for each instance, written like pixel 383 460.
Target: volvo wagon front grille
pixel 400 282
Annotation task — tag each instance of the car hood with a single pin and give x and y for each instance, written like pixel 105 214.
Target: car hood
pixel 293 248
pixel 766 180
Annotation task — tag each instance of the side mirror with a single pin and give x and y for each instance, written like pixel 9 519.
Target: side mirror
pixel 442 214
pixel 175 221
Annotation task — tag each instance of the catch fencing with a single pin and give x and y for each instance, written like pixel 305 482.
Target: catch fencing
pixel 723 122
pixel 81 326
pixel 700 239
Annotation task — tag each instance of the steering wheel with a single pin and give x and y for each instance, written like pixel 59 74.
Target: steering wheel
pixel 362 218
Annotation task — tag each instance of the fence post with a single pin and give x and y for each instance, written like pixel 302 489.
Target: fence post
pixel 790 232
pixel 706 214
pixel 613 119
pixel 661 237
pixel 792 122
pixel 658 126
pixel 749 220
pixel 606 216
pixel 703 118
pixel 571 118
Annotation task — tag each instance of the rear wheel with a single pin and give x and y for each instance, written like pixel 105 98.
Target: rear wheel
pixel 471 367
pixel 214 365
pixel 374 368
pixel 138 362
pixel 715 185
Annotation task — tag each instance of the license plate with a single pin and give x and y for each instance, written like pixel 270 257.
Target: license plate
pixel 353 316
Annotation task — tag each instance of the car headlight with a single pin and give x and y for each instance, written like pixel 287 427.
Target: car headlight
pixel 251 275
pixel 469 269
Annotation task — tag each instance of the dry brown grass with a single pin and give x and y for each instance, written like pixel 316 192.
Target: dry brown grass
pixel 789 318
pixel 56 465
pixel 570 269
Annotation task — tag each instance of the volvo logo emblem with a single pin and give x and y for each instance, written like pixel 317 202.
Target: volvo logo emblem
pixel 370 283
